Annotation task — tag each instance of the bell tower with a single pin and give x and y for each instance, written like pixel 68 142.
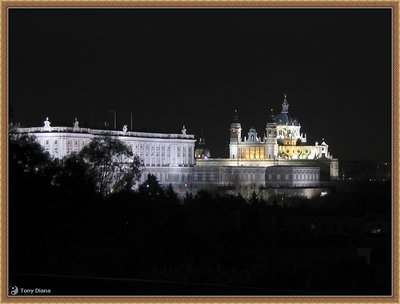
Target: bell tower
pixel 271 143
pixel 271 125
pixel 235 136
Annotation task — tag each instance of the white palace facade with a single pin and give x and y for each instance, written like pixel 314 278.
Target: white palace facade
pixel 279 158
pixel 170 157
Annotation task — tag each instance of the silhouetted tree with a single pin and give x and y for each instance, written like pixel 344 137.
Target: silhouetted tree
pixel 188 198
pixel 151 188
pixel 74 176
pixel 112 163
pixel 254 199
pixel 170 194
pixel 27 155
pixel 29 185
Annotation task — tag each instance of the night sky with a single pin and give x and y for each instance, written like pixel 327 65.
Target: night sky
pixel 178 66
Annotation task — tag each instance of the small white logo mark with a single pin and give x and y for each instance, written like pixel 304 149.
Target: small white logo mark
pixel 14 290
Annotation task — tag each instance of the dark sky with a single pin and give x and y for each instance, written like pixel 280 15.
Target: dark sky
pixel 178 66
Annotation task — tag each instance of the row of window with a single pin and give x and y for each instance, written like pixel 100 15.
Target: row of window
pixel 156 160
pixel 151 151
pixel 305 176
pixel 296 176
pixel 47 142
pixel 298 151
pixel 226 177
pixel 204 177
pixel 289 132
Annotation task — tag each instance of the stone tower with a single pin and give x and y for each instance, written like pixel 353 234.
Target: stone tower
pixel 271 143
pixel 235 136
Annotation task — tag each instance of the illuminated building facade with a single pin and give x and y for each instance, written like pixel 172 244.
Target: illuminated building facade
pixel 282 140
pixel 292 176
pixel 280 158
pixel 170 157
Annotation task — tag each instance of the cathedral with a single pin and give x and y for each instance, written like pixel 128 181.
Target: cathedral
pixel 282 140
pixel 280 158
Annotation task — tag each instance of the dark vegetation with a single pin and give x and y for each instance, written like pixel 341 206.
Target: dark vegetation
pixel 76 228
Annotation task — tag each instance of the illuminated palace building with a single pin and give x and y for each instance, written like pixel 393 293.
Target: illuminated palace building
pixel 281 158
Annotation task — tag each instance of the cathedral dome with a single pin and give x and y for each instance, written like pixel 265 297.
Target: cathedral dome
pixel 286 119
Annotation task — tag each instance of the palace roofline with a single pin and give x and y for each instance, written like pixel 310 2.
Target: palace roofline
pixel 102 132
